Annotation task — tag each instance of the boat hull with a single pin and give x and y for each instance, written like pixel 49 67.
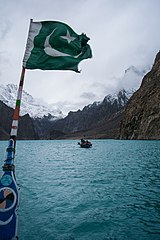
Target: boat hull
pixel 86 145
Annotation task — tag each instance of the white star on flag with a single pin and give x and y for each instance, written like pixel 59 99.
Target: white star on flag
pixel 68 37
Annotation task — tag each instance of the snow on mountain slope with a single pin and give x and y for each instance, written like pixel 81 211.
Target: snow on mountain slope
pixel 121 98
pixel 34 107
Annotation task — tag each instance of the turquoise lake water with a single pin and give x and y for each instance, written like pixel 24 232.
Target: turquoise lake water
pixel 108 192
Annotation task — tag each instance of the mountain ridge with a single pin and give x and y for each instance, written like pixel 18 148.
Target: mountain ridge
pixel 29 105
pixel 93 117
pixel 26 129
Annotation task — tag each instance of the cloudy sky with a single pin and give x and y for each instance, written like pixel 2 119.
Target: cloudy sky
pixel 123 33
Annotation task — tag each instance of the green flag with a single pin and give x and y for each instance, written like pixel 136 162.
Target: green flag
pixel 54 45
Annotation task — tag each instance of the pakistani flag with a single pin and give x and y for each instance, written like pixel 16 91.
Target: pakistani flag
pixel 54 45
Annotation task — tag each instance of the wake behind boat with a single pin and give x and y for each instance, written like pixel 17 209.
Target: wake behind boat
pixel 85 143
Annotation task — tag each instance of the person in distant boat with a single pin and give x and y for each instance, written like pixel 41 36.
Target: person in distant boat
pixel 82 141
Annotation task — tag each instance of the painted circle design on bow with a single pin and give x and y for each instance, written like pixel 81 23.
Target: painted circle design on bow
pixel 7 199
pixel 6 180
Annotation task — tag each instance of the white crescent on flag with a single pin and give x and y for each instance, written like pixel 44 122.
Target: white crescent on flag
pixel 52 51
pixel 49 50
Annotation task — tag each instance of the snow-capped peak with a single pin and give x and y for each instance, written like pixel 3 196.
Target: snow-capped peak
pixel 120 98
pixel 34 107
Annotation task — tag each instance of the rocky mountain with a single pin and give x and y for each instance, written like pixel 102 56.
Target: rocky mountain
pixel 29 105
pixel 26 127
pixel 100 119
pixel 141 118
pixel 33 111
pixel 43 125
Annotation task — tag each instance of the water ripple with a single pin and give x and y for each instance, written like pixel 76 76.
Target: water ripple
pixel 108 192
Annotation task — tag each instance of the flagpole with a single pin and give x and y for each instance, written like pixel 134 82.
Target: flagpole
pixel 15 120
pixel 9 190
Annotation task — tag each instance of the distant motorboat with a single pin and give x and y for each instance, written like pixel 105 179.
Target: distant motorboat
pixel 85 143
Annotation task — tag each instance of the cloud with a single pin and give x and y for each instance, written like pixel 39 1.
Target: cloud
pixel 88 95
pixel 131 79
pixel 4 29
